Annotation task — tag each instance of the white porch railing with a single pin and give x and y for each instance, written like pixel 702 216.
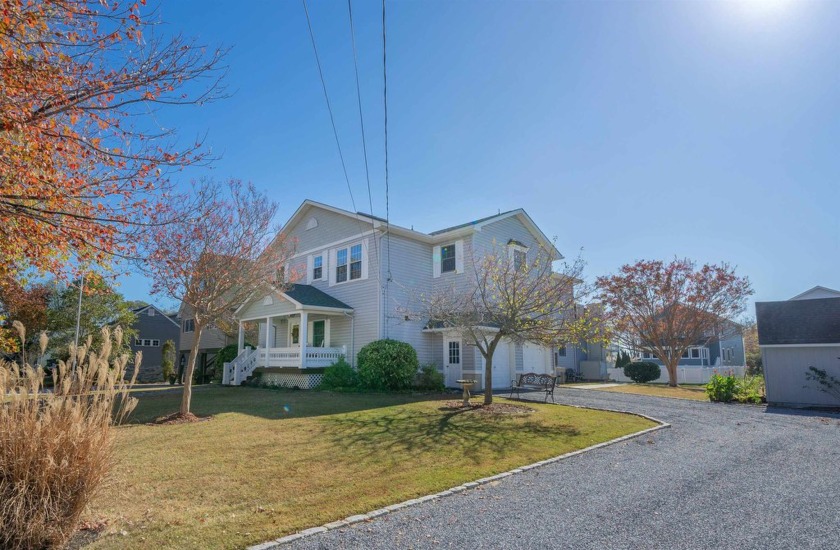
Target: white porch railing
pixel 290 357
pixel 238 370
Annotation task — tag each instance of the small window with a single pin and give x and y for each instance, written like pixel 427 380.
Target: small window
pixel 561 351
pixel 317 268
pixel 151 312
pixel 189 325
pixel 447 258
pixel 685 354
pixel 147 342
pixel 695 353
pixel 138 342
pixel 356 262
pixel 155 343
pixel 519 357
pixel 454 353
pixel 518 259
pixel 341 266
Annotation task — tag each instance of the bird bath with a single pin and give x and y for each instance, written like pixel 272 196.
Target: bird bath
pixel 466 385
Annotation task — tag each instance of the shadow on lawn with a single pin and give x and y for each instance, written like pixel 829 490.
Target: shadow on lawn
pixel 270 404
pixel 466 432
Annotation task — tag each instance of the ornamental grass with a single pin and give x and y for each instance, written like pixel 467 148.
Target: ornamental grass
pixel 56 444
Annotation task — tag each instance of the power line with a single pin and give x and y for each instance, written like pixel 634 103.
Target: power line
pixel 329 106
pixel 359 98
pixel 385 105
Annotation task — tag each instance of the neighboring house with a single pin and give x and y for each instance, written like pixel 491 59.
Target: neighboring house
pixel 725 351
pixel 359 277
pixel 796 334
pixel 212 340
pixel 153 327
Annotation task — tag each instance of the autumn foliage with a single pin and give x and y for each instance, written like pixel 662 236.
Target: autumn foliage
pixel 221 247
pixel 79 171
pixel 665 308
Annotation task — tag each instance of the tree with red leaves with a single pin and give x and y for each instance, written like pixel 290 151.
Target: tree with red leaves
pixel 666 308
pixel 221 247
pixel 25 303
pixel 81 166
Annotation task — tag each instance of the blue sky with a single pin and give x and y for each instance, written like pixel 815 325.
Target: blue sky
pixel 629 130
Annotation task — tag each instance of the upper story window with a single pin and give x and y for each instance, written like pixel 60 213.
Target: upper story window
pixel 317 268
pixel 517 253
pixel 189 325
pixel 341 265
pixel 151 312
pixel 447 258
pixel 355 262
pixel 350 264
pixel 146 342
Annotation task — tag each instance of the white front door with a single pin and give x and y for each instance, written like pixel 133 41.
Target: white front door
pixel 452 361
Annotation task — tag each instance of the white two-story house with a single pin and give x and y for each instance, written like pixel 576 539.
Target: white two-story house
pixel 356 277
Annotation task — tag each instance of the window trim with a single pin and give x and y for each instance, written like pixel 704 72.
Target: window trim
pixel 457 352
pixel 362 262
pixel 454 258
pixel 315 259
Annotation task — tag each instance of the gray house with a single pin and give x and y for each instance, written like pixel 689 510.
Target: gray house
pixel 154 328
pixel 358 277
pixel 212 340
pixel 796 334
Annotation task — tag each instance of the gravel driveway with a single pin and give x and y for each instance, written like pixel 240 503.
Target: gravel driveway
pixel 723 476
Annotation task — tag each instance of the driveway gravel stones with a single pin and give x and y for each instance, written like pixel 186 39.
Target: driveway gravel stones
pixel 723 476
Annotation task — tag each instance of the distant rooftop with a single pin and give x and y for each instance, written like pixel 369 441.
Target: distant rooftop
pixel 474 222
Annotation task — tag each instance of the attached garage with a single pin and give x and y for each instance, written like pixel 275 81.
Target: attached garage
pixel 794 335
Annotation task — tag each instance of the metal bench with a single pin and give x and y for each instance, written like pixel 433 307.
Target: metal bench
pixel 534 381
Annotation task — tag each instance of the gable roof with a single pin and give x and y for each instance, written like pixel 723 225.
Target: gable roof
pixel 139 310
pixel 794 322
pixel 819 291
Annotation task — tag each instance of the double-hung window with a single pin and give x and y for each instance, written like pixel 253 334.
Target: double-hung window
pixel 355 262
pixel 341 265
pixel 189 325
pixel 447 258
pixel 317 268
pixel 348 263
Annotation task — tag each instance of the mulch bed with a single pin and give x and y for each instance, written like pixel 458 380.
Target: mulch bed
pixel 493 408
pixel 178 418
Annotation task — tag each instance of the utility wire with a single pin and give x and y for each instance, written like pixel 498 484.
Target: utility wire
pixel 362 124
pixel 359 98
pixel 329 106
pixel 385 105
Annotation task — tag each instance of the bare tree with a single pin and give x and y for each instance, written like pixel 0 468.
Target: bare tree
pixel 223 248
pixel 520 300
pixel 665 309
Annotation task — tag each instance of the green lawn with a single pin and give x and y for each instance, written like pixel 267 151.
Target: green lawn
pixel 693 392
pixel 271 463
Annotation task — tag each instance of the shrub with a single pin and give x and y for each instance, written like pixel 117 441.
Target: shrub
pixel 429 378
pixel 387 365
pixel 167 364
pixel 642 372
pixel 226 355
pixel 55 448
pixel 721 388
pixel 622 360
pixel 339 375
pixel 749 389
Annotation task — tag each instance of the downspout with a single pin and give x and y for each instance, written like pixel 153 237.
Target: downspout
pixel 352 338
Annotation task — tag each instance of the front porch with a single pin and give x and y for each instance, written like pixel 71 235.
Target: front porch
pixel 300 329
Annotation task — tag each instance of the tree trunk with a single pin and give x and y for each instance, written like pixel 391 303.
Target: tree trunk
pixel 488 379
pixel 672 372
pixel 188 376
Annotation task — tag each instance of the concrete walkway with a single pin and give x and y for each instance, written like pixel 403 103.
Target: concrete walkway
pixel 723 476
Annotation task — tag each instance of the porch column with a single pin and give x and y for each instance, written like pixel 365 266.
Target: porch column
pixel 241 342
pixel 302 336
pixel 267 339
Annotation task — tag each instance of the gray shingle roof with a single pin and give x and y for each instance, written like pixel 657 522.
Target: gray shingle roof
pixel 798 322
pixel 308 295
pixel 474 222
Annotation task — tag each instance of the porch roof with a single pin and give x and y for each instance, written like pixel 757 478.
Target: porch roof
pixel 308 295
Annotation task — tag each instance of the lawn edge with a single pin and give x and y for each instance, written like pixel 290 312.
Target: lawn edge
pixel 358 518
pixel 607 390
